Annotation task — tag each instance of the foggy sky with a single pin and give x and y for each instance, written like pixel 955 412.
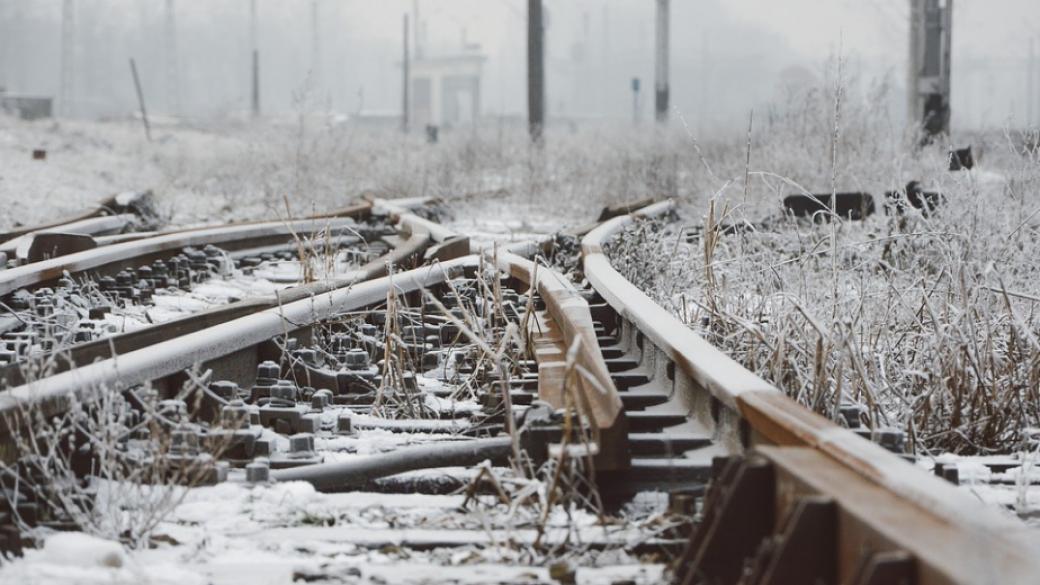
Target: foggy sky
pixel 728 56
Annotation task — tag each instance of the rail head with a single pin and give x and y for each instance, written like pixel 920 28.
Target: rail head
pixel 597 391
pixel 198 347
pixel 401 210
pixel 775 419
pixel 48 270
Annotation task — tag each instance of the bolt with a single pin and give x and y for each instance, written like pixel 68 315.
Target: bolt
pixel 891 439
pixel 124 279
pixel 183 441
pixel 320 399
pixel 175 410
pixel 357 359
pixel 344 425
pixel 267 373
pixel 449 333
pixel 284 390
pixel 307 356
pixel 681 503
pixel 563 572
pixel 225 389
pixel 301 444
pixel 408 382
pixel 431 360
pixel 259 471
pixel 235 415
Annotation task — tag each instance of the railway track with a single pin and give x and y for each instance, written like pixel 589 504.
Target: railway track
pixel 557 431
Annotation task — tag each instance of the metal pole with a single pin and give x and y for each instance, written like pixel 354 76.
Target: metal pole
pixel 931 28
pixel 6 15
pixel 254 55
pixel 256 84
pixel 915 55
pixel 356 473
pixel 140 100
pixel 316 45
pixel 661 83
pixel 635 100
pixel 405 81
pixel 535 71
pixel 1031 99
pixel 415 30
pixel 172 68
pixel 605 69
pixel 68 55
pixel 946 73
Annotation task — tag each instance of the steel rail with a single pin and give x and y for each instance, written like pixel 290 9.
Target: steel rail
pixel 952 536
pixel 229 336
pixel 357 211
pixel 121 255
pixel 205 346
pixel 406 254
pixel 109 206
pixel 93 226
pixel 569 311
pixel 342 475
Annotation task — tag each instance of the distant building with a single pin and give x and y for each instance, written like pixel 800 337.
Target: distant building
pixel 445 90
pixel 26 107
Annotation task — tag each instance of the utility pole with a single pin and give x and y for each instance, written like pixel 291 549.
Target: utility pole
pixel 254 55
pixel 140 100
pixel 406 82
pixel 172 68
pixel 1031 100
pixel 928 83
pixel 661 84
pixel 535 71
pixel 417 41
pixel 635 100
pixel 6 16
pixel 68 56
pixel 316 72
pixel 605 69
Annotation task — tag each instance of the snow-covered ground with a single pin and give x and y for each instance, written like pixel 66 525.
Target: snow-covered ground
pixel 499 191
pixel 280 533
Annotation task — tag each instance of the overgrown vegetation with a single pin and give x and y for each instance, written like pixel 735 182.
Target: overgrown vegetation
pixel 929 322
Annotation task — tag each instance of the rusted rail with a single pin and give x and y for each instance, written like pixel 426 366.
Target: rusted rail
pixel 121 204
pixel 799 499
pixel 118 256
pixel 570 358
pixel 231 329
pixel 793 497
pixel 232 349
pixel 406 254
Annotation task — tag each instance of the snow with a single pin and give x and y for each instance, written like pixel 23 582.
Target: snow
pixel 236 533
pixel 78 549
pixel 74 557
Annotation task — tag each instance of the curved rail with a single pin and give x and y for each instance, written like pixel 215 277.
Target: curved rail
pixel 406 254
pixel 115 205
pixel 951 536
pixel 115 257
pixel 152 345
pixel 233 338
pixel 94 226
pixel 569 311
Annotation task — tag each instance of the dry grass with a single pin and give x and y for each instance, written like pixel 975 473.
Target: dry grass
pixel 930 324
pixel 113 467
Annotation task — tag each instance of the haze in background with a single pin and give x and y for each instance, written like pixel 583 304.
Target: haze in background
pixel 728 57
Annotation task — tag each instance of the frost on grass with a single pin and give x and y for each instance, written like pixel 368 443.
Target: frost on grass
pixel 930 324
pixel 927 323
